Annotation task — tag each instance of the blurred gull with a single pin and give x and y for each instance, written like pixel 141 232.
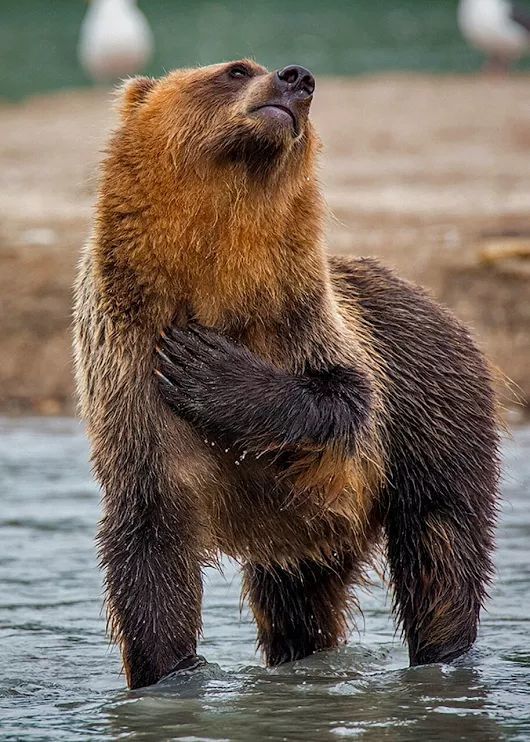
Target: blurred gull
pixel 115 40
pixel 499 28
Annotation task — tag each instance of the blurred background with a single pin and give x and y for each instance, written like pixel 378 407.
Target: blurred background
pixel 338 37
pixel 425 162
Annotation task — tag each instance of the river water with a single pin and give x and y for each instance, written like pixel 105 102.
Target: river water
pixel 59 680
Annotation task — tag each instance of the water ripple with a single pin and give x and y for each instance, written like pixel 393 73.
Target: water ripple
pixel 60 681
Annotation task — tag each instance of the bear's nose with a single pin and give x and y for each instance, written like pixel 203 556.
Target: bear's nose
pixel 296 79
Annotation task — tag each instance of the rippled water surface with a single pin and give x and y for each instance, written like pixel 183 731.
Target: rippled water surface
pixel 60 681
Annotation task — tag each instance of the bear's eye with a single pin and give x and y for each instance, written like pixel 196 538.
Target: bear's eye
pixel 238 71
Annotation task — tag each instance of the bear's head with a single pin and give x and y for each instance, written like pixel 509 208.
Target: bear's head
pixel 226 116
pixel 209 188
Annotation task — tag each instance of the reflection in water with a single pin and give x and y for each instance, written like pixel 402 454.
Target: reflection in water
pixel 58 681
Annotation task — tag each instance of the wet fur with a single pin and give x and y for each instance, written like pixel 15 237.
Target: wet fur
pixel 329 402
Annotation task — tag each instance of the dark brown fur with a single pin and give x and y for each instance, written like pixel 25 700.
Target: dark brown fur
pixel 338 402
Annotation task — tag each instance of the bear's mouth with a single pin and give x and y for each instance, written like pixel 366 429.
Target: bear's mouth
pixel 278 112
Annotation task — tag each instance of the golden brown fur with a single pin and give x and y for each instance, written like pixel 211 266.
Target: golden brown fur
pixel 190 229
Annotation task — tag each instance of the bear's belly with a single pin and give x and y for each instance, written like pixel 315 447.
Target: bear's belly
pixel 257 518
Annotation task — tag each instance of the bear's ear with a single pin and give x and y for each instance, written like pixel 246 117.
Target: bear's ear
pixel 132 93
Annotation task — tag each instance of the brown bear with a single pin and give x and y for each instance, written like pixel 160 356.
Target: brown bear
pixel 247 394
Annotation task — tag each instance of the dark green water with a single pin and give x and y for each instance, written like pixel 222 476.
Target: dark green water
pixel 59 681
pixel 38 37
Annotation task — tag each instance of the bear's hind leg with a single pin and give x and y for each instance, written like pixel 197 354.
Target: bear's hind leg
pixel 299 611
pixel 439 553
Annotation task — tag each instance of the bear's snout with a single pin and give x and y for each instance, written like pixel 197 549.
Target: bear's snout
pixel 296 79
pixel 286 99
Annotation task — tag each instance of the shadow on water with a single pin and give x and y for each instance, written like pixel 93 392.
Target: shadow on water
pixel 58 681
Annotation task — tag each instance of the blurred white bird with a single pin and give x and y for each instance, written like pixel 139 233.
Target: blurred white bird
pixel 115 40
pixel 499 28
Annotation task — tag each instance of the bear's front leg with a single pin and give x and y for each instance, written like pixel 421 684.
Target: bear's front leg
pixel 149 544
pixel 232 394
pixel 153 591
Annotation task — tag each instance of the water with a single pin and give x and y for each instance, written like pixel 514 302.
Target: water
pixel 60 681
